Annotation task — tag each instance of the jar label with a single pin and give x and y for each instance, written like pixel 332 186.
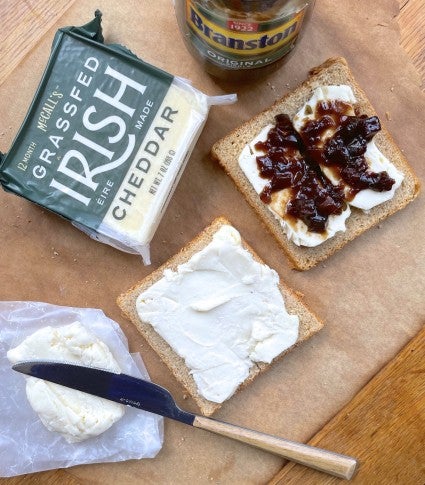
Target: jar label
pixel 235 43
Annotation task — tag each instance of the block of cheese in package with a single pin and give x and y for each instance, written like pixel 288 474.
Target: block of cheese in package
pixel 105 139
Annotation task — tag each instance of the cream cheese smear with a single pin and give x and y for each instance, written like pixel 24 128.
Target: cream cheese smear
pixel 221 311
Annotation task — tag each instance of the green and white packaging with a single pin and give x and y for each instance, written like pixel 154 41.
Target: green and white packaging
pixel 106 139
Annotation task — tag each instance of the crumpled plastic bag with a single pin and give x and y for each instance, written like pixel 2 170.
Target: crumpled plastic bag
pixel 26 446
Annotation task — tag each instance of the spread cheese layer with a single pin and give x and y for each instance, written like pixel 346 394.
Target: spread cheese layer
pixel 298 232
pixel 74 414
pixel 221 311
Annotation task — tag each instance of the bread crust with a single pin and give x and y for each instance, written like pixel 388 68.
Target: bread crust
pixel 309 323
pixel 227 151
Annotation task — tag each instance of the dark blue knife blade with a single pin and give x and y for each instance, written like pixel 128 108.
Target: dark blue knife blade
pixel 120 388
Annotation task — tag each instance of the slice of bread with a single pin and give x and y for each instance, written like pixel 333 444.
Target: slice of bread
pixel 226 151
pixel 309 323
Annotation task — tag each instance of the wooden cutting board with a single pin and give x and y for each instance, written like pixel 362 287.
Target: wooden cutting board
pixel 383 427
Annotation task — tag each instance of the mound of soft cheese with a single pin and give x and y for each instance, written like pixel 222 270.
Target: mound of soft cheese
pixel 76 415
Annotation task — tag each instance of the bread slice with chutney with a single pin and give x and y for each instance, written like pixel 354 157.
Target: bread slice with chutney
pixel 333 74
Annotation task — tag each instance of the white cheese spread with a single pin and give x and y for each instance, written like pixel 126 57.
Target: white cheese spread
pixel 74 414
pixel 297 231
pixel 367 199
pixel 221 311
pixel 324 93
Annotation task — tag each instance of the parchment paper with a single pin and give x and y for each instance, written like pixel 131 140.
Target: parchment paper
pixel 369 294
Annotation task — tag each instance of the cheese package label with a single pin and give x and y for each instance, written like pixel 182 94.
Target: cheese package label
pixel 105 139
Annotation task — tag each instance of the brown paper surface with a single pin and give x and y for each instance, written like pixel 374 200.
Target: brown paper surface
pixel 370 294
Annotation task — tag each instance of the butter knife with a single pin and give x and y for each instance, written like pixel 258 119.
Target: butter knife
pixel 151 397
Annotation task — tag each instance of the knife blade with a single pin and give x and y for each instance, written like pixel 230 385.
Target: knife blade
pixel 120 388
pixel 151 397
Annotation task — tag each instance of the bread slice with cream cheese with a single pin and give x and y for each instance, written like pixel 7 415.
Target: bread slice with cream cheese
pixel 308 324
pixel 334 72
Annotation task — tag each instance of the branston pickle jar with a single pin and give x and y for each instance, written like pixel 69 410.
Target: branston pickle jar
pixel 239 39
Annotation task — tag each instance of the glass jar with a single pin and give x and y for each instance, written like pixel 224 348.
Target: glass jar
pixel 241 39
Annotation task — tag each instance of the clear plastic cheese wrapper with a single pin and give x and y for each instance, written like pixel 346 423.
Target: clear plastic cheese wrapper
pixel 26 445
pixel 106 139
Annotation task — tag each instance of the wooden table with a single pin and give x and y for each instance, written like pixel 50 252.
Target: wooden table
pixel 384 424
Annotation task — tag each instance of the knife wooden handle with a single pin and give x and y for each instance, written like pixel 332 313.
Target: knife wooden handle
pixel 326 461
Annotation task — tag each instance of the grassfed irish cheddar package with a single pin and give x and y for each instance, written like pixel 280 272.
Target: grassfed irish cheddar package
pixel 106 139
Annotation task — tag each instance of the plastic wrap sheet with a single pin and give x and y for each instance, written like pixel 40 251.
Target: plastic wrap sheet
pixel 26 445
